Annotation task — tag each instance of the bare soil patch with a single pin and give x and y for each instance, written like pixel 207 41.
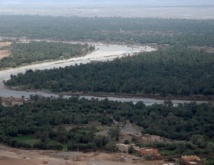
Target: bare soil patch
pixel 4 44
pixel 11 156
pixel 4 53
pixel 207 49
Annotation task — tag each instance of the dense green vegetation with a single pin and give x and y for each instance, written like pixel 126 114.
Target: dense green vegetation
pixel 171 71
pixel 176 70
pixel 25 53
pixel 128 30
pixel 47 123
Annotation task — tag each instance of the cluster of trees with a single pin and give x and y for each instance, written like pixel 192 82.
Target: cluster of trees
pixel 171 71
pixel 128 30
pixel 47 120
pixel 25 53
pixel 183 148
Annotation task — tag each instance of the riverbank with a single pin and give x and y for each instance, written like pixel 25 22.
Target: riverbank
pixel 146 99
pixel 208 98
pixel 150 96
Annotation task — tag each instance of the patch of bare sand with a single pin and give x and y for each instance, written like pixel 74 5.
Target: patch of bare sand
pixel 4 53
pixel 207 49
pixel 4 44
pixel 11 156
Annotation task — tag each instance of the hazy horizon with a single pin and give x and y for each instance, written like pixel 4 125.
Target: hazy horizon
pixel 182 9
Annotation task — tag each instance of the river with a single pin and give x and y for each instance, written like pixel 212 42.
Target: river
pixel 103 52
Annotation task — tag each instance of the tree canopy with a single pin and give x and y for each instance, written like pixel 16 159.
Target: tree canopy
pixel 51 123
pixel 26 53
pixel 125 30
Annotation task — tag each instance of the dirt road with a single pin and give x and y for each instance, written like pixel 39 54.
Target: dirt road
pixel 11 156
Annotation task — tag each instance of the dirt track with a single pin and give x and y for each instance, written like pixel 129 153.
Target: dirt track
pixel 11 156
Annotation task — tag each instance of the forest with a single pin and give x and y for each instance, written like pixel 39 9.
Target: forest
pixel 177 71
pixel 64 124
pixel 122 30
pixel 26 53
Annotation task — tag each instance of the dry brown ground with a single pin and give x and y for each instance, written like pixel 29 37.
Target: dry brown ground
pixel 4 53
pixel 207 49
pixel 11 156
pixel 3 44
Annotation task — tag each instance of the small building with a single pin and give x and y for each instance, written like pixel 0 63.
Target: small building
pixel 151 138
pixel 125 147
pixel 148 151
pixel 191 160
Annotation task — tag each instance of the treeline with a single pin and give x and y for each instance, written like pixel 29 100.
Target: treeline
pixel 128 30
pixel 48 123
pixel 173 71
pixel 26 53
